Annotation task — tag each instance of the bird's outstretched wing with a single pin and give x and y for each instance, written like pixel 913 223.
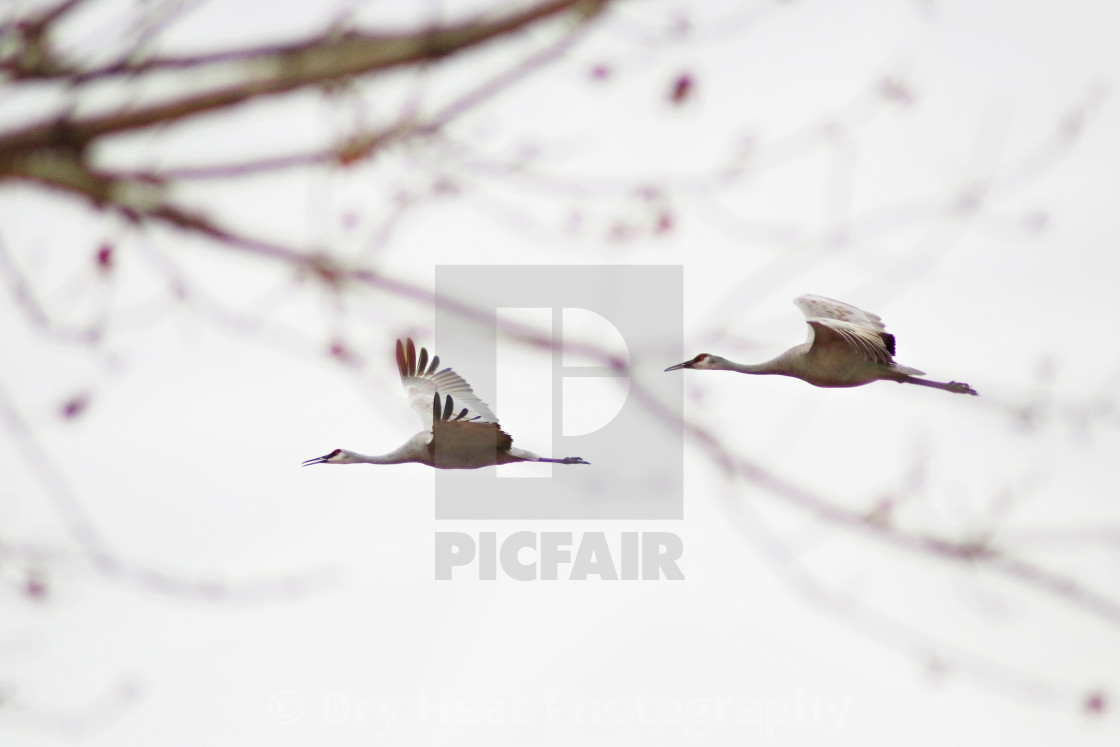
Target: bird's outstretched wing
pixel 422 381
pixel 832 322
pixel 816 308
pixel 456 432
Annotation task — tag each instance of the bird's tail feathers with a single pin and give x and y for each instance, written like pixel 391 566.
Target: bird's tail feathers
pixel 908 371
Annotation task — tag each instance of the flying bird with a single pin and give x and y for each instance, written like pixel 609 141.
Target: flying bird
pixel 467 439
pixel 846 347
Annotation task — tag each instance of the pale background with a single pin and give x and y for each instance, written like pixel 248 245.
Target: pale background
pixel 787 630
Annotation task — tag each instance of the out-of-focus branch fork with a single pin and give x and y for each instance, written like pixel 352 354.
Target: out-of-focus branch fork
pixel 53 152
pixel 31 57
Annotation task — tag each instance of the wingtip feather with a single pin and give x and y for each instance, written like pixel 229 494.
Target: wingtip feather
pixel 410 355
pixel 401 364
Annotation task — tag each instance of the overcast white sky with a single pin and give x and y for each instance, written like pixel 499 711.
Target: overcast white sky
pixel 187 458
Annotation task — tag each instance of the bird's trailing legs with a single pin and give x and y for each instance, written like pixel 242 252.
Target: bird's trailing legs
pixel 957 387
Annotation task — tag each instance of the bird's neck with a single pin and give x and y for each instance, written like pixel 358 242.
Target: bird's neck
pixel 393 457
pixel 775 366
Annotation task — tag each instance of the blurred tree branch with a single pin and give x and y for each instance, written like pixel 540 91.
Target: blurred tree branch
pixel 59 154
pixel 55 153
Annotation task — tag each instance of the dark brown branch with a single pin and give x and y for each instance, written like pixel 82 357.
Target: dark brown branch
pixel 28 38
pixel 286 68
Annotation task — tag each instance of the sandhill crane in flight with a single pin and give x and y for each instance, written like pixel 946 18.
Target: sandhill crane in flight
pixel 468 439
pixel 846 347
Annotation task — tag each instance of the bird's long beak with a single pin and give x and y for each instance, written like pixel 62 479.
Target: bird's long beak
pixel 686 364
pixel 316 460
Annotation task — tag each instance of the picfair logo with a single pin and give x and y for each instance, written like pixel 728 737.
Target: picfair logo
pixel 636 458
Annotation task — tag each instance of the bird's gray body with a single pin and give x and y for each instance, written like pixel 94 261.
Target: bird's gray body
pixel 465 438
pixel 847 347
